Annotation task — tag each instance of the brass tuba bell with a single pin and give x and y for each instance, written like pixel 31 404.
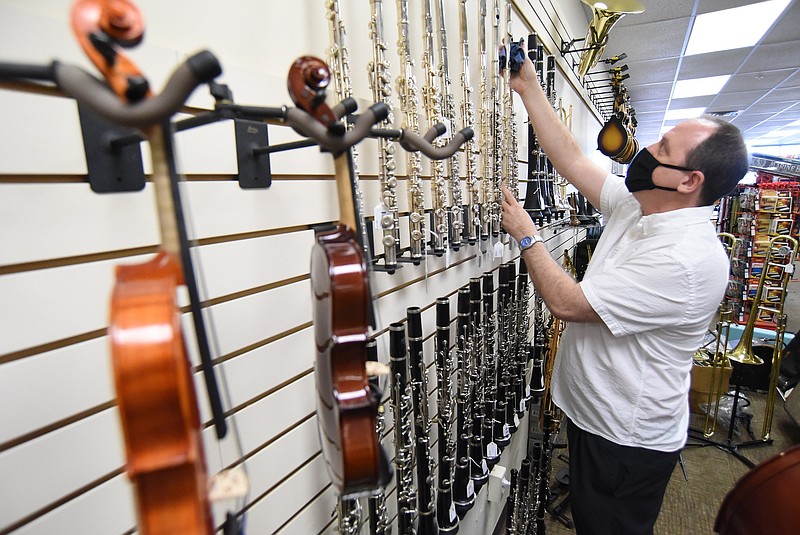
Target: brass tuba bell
pixel 606 14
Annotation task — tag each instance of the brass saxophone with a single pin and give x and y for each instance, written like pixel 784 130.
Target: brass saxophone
pixel 456 227
pixel 433 110
pixel 468 118
pixel 409 103
pixel 380 81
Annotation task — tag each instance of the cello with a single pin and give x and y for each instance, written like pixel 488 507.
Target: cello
pixel 764 500
pixel 156 399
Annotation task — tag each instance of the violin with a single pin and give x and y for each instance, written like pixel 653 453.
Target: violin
pixel 155 392
pixel 764 500
pixel 346 402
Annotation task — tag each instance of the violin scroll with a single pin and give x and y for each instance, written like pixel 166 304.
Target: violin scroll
pixel 103 28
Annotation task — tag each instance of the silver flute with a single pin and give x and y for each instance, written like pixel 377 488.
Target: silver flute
pixel 511 166
pixel 339 64
pixel 496 124
pixel 468 119
pixel 456 228
pixel 486 147
pixel 409 104
pixel 433 110
pixel 381 83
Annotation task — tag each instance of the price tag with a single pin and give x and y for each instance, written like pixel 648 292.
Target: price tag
pixel 789 268
pixel 452 512
pixel 470 488
pixel 229 484
pixel 491 450
pixel 516 418
pixel 498 249
pixel 506 429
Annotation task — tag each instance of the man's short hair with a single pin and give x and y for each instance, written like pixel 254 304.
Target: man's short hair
pixel 722 157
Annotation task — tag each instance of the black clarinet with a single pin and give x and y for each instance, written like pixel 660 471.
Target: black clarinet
pixel 376 503
pixel 479 469
pixel 512 507
pixel 402 406
pixel 463 486
pixel 445 508
pixel 512 363
pixel 501 429
pixel 550 87
pixel 522 349
pixel 489 371
pixel 426 495
pixel 549 200
pixel 534 200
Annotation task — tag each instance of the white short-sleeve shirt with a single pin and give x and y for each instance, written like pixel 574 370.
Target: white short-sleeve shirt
pixel 656 282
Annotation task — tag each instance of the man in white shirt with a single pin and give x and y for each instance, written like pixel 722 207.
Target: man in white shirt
pixel 657 275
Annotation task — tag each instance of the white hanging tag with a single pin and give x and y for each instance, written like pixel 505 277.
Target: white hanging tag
pixel 498 249
pixel 228 484
pixel 470 488
pixel 491 450
pixel 452 512
pixel 789 268
pixel 447 257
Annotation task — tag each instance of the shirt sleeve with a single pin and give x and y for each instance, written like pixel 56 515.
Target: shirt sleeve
pixel 612 194
pixel 645 293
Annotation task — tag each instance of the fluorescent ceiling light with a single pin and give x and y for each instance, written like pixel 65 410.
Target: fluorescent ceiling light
pixel 685 113
pixel 733 28
pixel 696 87
pixel 777 134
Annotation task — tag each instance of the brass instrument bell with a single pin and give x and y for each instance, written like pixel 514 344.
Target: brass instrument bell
pixel 606 14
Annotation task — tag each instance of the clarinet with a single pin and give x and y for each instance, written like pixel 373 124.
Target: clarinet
pixel 523 346
pixel 403 441
pixel 513 504
pixel 486 148
pixel 426 499
pixel 409 103
pixel 446 511
pixel 479 468
pixel 534 202
pixel 456 228
pixel 550 88
pixel 376 503
pixel 463 486
pixel 546 167
pixel 489 370
pixel 433 105
pixel 512 365
pixel 339 64
pixel 501 431
pixel 468 118
pixel 380 82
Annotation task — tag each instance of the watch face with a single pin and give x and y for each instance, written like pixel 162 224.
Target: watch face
pixel 526 241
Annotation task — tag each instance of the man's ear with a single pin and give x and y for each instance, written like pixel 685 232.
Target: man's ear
pixel 692 182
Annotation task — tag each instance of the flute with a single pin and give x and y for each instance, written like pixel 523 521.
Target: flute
pixel 474 208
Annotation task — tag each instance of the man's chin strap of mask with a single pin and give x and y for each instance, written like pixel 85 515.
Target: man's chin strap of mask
pixel 640 172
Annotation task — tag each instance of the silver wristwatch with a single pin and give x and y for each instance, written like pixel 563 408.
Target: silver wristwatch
pixel 528 241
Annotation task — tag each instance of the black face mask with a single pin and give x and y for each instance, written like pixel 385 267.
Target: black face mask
pixel 640 172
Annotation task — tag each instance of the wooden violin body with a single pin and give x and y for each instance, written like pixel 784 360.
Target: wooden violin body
pixel 157 402
pixel 346 406
pixel 764 500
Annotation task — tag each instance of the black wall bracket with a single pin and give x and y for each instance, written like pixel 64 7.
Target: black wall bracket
pixel 113 156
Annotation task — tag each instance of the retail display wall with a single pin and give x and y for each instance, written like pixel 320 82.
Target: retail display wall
pixel 61 450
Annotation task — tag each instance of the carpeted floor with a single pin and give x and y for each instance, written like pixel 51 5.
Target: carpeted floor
pixel 691 503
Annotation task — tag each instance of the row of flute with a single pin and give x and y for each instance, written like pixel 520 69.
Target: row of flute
pixel 486 381
pixel 491 155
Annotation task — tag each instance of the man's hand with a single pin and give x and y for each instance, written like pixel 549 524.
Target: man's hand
pixel 516 220
pixel 525 78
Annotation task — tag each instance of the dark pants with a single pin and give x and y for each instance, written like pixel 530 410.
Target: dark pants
pixel 613 489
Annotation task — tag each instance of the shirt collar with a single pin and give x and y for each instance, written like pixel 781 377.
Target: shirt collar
pixel 665 222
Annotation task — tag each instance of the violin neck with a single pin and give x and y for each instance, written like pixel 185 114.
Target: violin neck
pixel 165 204
pixel 349 215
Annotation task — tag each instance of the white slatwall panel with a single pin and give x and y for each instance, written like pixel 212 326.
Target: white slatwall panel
pixel 61 451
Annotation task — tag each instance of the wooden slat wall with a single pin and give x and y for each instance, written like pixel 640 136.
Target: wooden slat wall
pixel 61 451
